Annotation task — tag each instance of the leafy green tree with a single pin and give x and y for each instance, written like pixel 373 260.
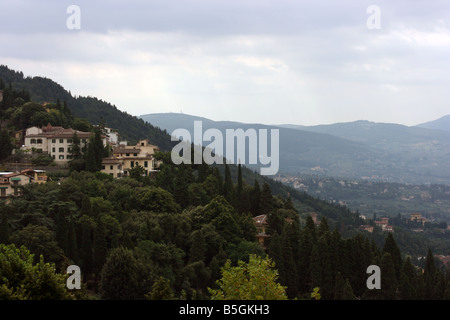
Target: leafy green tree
pixel 155 199
pixel 40 241
pixel 255 280
pixel 122 276
pixel 81 124
pixel 22 279
pixel 161 290
pixel 137 172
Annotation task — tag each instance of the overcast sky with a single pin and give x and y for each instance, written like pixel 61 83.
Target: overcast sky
pixel 257 61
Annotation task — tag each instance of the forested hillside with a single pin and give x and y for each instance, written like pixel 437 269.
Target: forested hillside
pixel 96 111
pixel 133 236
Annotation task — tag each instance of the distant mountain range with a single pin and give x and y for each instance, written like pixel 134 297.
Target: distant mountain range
pixel 360 149
pixel 440 124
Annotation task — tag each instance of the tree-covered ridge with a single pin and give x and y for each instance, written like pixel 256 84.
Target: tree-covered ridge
pixel 178 234
pixel 43 90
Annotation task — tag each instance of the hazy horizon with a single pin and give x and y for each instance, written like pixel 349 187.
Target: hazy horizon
pixel 269 62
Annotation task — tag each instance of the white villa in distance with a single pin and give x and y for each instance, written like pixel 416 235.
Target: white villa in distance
pixel 55 141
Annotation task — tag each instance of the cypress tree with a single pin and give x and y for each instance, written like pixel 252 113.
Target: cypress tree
pixel 86 244
pixel 255 198
pixel 62 233
pixel 266 201
pixel 4 228
pixel 198 247
pixel 348 291
pixel 343 289
pixel 429 275
pixel 99 148
pixel 339 287
pixel 275 251
pixel 321 267
pixel 323 227
pixel 228 185
pixel 6 145
pixel 390 246
pixel 304 264
pixel 408 281
pixel 290 277
pixel 86 207
pixel 91 164
pixel 239 190
pixel 76 147
pixel 388 278
pixel 100 248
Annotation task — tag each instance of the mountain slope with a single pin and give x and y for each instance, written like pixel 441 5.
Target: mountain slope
pixel 93 109
pixel 438 124
pixel 360 149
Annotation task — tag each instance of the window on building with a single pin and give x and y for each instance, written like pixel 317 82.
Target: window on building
pixel 127 154
pixel 132 164
pixel 111 167
pixel 53 149
pixel 61 140
pixel 39 141
pixel 53 140
pixel 33 141
pixel 61 149
pixel 135 154
pixel 103 167
pixel 69 140
pixel 145 164
pixel 61 157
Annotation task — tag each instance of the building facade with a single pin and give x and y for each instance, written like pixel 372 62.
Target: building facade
pixel 55 141
pixel 125 158
pixel 12 183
